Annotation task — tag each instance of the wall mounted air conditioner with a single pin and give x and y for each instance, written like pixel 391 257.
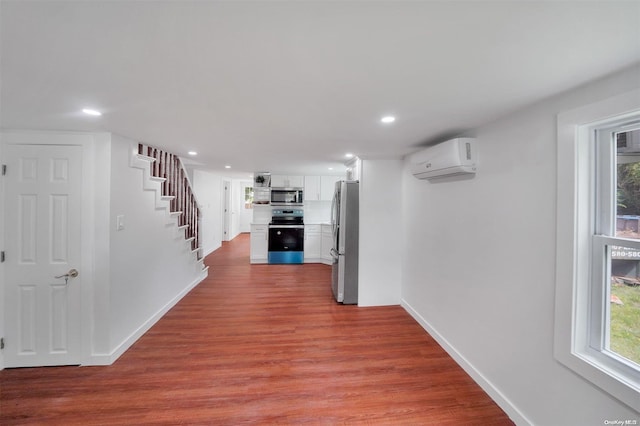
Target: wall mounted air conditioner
pixel 453 157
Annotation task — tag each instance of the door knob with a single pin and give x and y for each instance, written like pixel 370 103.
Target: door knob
pixel 71 274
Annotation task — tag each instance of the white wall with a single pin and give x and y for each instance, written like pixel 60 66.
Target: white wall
pixel 479 265
pixel 2 267
pixel 317 212
pixel 237 199
pixel 96 297
pixel 379 260
pixel 151 265
pixel 94 265
pixel 132 276
pixel 209 191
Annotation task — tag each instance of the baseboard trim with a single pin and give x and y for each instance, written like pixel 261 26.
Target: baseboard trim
pixel 108 359
pixel 211 250
pixel 512 411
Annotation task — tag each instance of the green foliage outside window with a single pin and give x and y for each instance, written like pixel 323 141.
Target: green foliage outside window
pixel 629 189
pixel 248 197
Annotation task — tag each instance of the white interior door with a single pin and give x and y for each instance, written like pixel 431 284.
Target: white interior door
pixel 226 202
pixel 42 229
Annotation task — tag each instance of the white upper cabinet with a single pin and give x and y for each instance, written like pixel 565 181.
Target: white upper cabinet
pixel 296 181
pixel 316 188
pixel 319 188
pixel 312 188
pixel 283 181
pixel 327 187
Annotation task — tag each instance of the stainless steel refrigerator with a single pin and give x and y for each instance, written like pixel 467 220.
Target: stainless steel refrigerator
pixel 344 221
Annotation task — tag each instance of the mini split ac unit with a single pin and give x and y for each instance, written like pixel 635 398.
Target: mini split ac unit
pixel 450 158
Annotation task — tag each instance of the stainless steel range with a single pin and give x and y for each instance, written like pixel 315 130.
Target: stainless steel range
pixel 286 236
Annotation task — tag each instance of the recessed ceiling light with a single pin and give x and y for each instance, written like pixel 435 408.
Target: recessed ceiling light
pixel 192 153
pixel 90 111
pixel 227 167
pixel 330 168
pixel 388 119
pixel 348 155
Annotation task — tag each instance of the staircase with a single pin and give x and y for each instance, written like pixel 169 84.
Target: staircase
pixel 165 173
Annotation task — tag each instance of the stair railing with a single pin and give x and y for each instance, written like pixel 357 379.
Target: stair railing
pixel 176 185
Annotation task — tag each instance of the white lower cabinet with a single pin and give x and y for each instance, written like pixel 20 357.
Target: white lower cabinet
pixel 312 243
pixel 326 244
pixel 259 243
pixel 318 240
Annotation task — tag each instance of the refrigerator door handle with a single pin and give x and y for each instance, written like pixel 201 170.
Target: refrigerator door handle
pixel 334 215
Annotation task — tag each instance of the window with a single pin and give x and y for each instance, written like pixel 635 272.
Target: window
pixel 598 245
pixel 615 248
pixel 248 197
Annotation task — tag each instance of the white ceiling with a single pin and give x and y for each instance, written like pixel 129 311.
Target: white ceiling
pixel 290 87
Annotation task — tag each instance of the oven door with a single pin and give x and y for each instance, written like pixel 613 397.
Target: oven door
pixel 286 244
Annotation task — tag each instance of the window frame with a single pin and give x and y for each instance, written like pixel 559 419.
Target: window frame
pixel 576 322
pixel 603 237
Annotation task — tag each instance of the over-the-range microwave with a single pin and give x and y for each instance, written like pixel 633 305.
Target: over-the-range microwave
pixel 286 197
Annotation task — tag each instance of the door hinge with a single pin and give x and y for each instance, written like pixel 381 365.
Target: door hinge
pixel 1 342
pixel 4 169
pixel 1 256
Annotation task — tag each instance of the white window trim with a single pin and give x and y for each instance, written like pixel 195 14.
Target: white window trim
pixel 573 243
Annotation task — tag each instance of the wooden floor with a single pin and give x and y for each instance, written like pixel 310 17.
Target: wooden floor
pixel 261 344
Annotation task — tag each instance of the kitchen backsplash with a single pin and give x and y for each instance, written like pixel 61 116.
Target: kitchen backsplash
pixel 314 212
pixel 317 211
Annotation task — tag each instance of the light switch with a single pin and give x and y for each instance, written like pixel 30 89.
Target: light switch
pixel 119 222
